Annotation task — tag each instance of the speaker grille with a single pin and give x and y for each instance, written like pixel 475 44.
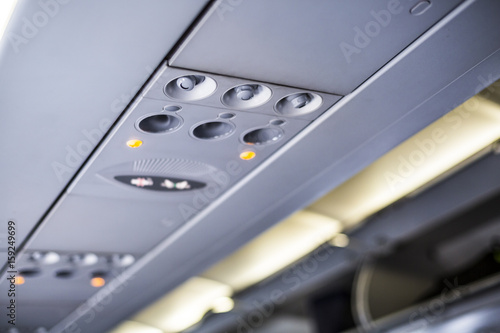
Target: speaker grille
pixel 173 167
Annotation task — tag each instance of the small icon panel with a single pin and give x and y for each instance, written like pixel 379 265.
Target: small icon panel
pixel 141 182
pixel 165 184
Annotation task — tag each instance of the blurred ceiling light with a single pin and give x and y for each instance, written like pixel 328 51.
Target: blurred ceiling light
pixel 222 305
pixel 135 327
pixel 340 240
pixel 6 10
pixel 185 306
pixel 274 250
pixel 427 155
pixel 277 248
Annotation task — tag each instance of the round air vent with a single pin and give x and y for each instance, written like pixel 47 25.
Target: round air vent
pixel 159 123
pixel 213 130
pixel 122 260
pixel 190 87
pixel 246 96
pixel 261 136
pixel 45 258
pixel 65 273
pixel 298 104
pixel 29 272
pixel 87 259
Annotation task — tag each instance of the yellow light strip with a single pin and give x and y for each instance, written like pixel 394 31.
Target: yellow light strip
pixel 274 250
pixel 185 306
pixel 269 253
pixel 135 327
pixel 436 149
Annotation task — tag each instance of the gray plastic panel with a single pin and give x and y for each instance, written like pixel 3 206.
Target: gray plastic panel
pixel 224 83
pixel 330 46
pixel 44 298
pixel 75 75
pixel 107 225
pixel 353 133
pixel 71 74
pixel 391 106
pixel 101 214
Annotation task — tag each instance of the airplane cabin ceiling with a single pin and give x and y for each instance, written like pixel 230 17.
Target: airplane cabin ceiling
pixel 270 78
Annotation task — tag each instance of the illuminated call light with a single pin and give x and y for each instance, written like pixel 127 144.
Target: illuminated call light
pixel 247 155
pixel 97 282
pixel 134 143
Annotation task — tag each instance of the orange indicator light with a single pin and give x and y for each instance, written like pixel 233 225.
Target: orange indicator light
pixel 97 282
pixel 247 155
pixel 134 143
